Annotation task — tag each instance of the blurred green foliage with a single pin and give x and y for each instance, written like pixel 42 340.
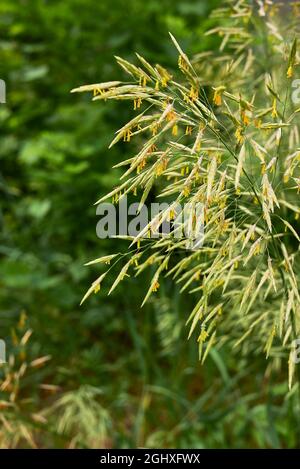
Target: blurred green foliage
pixel 54 158
pixel 125 376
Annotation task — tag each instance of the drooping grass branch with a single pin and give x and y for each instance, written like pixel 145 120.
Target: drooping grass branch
pixel 222 131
